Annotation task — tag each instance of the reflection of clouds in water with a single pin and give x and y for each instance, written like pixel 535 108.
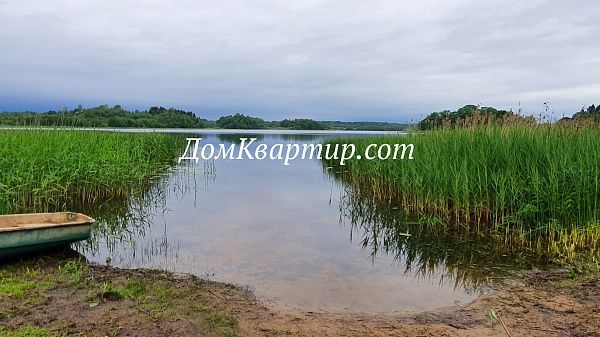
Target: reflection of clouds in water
pixel 271 227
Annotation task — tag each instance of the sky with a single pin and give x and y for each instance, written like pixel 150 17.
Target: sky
pixel 327 60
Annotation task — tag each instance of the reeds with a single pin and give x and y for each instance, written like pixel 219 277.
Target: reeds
pixel 47 170
pixel 464 257
pixel 538 187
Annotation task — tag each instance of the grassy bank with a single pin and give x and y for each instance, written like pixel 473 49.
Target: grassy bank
pixel 538 188
pixel 45 170
pixel 63 295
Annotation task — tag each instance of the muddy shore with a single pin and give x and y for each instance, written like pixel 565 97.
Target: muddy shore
pixel 64 295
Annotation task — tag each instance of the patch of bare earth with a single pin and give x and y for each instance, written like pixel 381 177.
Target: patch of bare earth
pixel 541 304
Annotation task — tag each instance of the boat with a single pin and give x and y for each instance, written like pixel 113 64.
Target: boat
pixel 25 233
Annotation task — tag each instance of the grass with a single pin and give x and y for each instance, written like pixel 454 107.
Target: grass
pixel 51 170
pixel 425 249
pixel 42 286
pixel 48 170
pixel 16 289
pixel 536 187
pixel 26 331
pixel 217 320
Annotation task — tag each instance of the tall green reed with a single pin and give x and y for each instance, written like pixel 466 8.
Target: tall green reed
pixel 537 187
pixel 45 170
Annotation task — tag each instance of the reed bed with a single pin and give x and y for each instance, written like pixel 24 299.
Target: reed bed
pixel 48 170
pixel 463 257
pixel 536 187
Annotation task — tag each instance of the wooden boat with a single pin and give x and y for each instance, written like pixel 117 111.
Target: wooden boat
pixel 24 233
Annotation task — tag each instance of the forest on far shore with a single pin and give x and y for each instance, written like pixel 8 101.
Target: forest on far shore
pixel 160 117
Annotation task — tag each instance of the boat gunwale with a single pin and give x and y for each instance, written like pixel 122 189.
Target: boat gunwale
pixel 86 220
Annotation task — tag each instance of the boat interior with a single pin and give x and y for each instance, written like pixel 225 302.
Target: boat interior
pixel 26 221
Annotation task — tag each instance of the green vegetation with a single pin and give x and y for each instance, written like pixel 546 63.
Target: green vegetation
pixel 48 170
pixel 303 124
pixel 26 331
pixel 589 115
pixel 366 126
pixel 55 289
pixel 15 289
pixel 105 116
pixel 465 115
pixel 591 111
pixel 159 117
pixel 471 115
pixel 424 246
pixel 535 187
pixel 240 121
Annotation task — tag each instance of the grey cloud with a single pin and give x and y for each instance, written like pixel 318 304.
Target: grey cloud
pixel 322 59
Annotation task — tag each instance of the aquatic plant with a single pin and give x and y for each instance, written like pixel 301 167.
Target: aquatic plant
pixel 535 186
pixel 464 258
pixel 47 170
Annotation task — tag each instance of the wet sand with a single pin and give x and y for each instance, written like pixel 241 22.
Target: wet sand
pixel 65 295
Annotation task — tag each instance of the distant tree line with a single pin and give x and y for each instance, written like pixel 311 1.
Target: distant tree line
pixel 303 124
pixel 449 118
pixel 367 126
pixel 105 116
pixel 591 114
pixel 160 117
pixel 241 121
pixel 473 115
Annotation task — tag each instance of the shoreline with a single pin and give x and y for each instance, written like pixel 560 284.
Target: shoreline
pixel 63 294
pixel 211 131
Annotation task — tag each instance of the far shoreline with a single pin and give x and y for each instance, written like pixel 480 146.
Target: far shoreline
pixel 212 131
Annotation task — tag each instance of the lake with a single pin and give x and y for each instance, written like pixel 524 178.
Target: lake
pixel 295 235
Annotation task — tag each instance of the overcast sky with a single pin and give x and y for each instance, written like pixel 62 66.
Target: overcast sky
pixel 352 59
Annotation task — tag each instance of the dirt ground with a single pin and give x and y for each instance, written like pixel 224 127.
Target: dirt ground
pixel 65 296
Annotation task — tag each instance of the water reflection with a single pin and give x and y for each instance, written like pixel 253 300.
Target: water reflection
pixel 235 139
pixel 282 137
pixel 472 259
pixel 283 231
pixel 122 226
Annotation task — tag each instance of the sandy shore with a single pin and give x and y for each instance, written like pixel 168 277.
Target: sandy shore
pixel 63 295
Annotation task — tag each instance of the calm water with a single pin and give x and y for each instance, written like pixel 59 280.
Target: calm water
pixel 295 235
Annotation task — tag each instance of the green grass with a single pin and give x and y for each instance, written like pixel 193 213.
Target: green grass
pixel 26 331
pixel 26 283
pixel 71 271
pixel 34 285
pixel 48 170
pixel 537 187
pixel 15 288
pixel 223 323
pixel 22 282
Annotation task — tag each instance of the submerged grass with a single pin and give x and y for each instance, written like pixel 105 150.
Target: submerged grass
pixel 536 187
pixel 45 170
